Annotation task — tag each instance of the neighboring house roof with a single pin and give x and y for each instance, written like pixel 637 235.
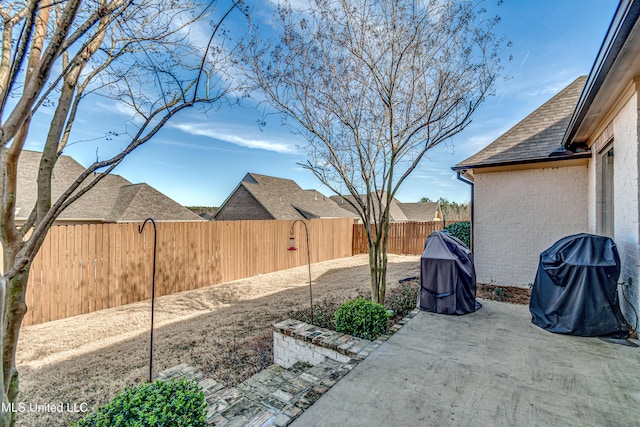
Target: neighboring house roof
pixel 284 199
pixel 113 199
pixel 204 212
pixel 424 211
pixel 395 213
pixel 535 137
pixel 339 200
pixel 617 64
pixel 398 211
pixel 137 202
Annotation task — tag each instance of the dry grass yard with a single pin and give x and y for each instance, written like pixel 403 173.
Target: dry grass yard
pixel 223 330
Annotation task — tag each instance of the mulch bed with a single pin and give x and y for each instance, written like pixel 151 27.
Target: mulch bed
pixel 510 294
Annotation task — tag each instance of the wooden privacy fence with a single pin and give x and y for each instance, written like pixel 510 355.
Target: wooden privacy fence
pixel 405 238
pixel 85 268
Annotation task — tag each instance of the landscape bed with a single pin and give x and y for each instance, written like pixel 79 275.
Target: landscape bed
pixel 225 331
pixel 510 294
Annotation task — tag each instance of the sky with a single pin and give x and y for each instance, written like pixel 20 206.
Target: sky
pixel 199 159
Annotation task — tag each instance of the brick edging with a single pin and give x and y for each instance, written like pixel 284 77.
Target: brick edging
pixel 350 346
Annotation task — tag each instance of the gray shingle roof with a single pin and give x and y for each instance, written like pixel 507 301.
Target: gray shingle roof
pixel 113 199
pixel 395 212
pixel 536 136
pixel 425 211
pixel 398 211
pixel 136 202
pixel 284 199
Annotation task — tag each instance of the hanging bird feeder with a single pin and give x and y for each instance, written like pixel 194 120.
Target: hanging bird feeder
pixel 292 244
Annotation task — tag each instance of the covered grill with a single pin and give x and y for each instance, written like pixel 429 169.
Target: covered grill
pixel 447 276
pixel 575 288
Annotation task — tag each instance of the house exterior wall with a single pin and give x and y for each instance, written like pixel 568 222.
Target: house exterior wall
pixel 623 131
pixel 518 214
pixel 242 206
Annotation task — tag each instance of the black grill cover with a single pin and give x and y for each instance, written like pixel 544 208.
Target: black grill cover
pixel 447 275
pixel 575 288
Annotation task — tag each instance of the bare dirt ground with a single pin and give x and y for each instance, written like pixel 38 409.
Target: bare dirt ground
pixel 510 294
pixel 222 330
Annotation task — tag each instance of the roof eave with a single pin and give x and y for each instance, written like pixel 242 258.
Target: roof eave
pixel 461 168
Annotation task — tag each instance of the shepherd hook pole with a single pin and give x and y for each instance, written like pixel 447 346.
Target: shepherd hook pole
pixel 153 290
pixel 306 229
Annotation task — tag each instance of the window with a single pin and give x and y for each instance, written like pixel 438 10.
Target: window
pixel 605 223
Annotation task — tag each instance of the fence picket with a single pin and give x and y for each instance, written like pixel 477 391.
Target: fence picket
pixel 83 268
pixel 405 238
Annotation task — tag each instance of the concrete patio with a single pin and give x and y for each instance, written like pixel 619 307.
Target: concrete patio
pixel 489 368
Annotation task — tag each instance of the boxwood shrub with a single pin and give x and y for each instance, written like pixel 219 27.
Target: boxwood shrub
pixel 178 403
pixel 361 318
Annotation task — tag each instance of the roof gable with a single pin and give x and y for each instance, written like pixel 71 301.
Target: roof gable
pixel 136 202
pixel 249 178
pixel 98 202
pixel 284 199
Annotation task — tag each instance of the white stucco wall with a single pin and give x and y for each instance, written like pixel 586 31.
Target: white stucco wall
pixel 518 214
pixel 626 201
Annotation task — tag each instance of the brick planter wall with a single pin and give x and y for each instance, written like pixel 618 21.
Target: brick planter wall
pixel 296 341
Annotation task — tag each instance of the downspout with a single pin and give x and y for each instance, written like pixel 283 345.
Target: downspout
pixel 466 181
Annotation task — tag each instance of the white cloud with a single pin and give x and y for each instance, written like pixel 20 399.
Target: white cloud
pixel 124 109
pixel 121 109
pixel 549 89
pixel 542 86
pixel 479 141
pixel 296 4
pixel 192 146
pixel 232 137
pixel 197 33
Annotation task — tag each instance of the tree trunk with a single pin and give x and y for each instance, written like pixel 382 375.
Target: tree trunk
pixel 6 417
pixel 374 255
pixel 15 309
pixel 378 270
pixel 382 262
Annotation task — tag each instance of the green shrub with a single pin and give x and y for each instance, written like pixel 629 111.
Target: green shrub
pixel 460 230
pixel 404 298
pixel 161 403
pixel 361 318
pixel 500 294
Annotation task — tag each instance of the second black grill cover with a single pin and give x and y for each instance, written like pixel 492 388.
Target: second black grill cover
pixel 575 288
pixel 447 275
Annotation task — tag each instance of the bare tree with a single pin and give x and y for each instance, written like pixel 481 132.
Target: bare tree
pixel 57 54
pixel 373 85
